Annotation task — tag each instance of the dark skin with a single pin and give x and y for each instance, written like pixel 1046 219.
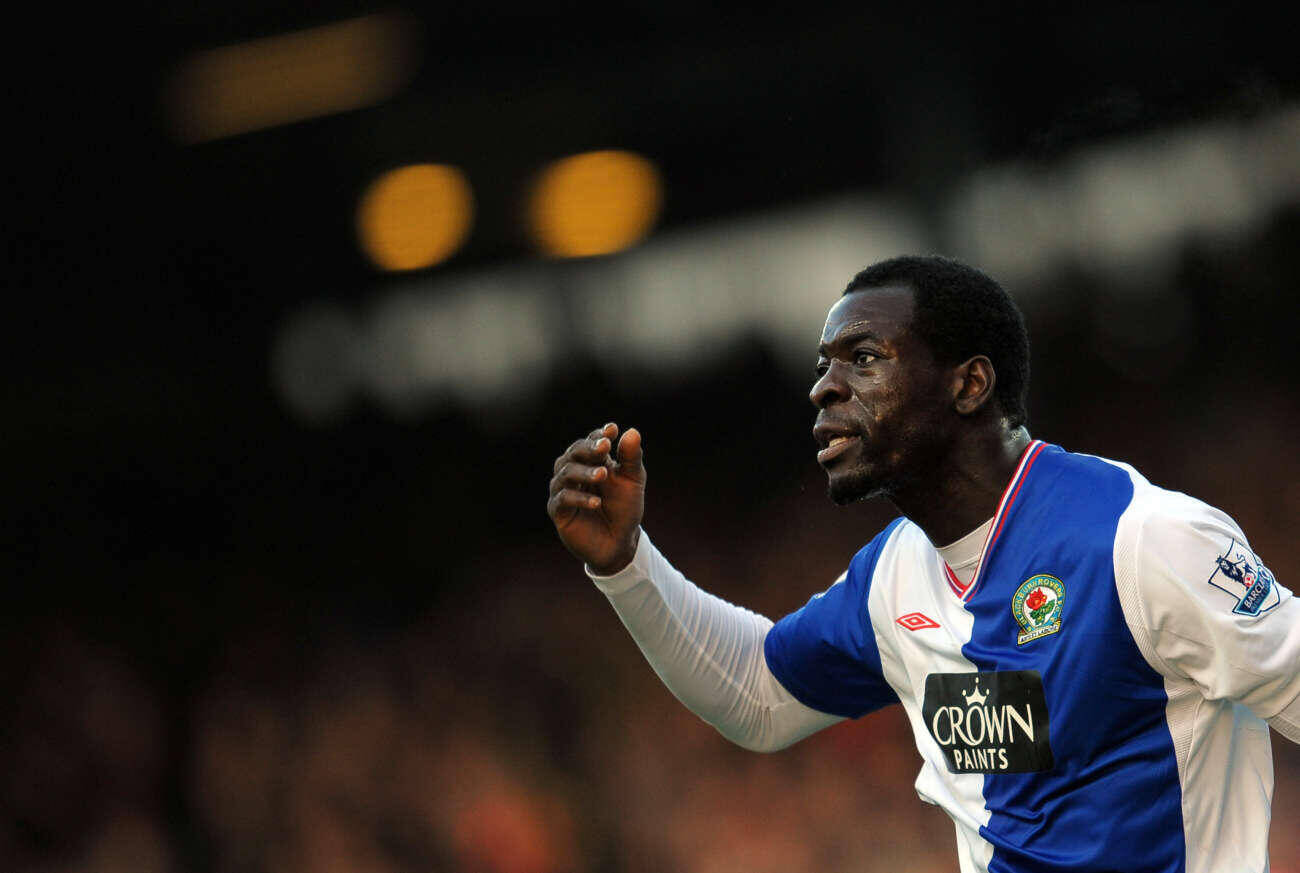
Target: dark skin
pixel 892 421
pixel 930 437
pixel 598 498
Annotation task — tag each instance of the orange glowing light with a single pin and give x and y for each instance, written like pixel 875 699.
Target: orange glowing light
pixel 595 203
pixel 415 216
pixel 290 77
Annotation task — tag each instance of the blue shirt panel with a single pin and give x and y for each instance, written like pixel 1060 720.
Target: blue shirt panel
pixel 1113 800
pixel 825 653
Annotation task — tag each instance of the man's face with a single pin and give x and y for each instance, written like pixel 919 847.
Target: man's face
pixel 882 398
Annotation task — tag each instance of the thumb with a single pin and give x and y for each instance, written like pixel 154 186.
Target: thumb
pixel 630 454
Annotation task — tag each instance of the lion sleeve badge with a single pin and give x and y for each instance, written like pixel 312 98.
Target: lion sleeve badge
pixel 1240 573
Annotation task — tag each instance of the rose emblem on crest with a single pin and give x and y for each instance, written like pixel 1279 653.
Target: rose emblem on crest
pixel 1038 605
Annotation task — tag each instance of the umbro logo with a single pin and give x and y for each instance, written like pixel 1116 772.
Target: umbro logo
pixel 915 621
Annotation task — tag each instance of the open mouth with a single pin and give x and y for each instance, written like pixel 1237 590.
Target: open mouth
pixel 836 447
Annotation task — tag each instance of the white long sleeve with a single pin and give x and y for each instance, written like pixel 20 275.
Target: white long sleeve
pixel 708 652
pixel 1204 609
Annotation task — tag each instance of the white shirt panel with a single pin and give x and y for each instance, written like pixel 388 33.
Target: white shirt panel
pixel 1223 669
pixel 908 656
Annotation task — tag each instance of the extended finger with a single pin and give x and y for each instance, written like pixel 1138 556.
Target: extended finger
pixel 630 454
pixel 593 452
pixel 602 440
pixel 568 498
pixel 572 474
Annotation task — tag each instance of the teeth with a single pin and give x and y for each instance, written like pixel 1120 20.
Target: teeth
pixel 835 441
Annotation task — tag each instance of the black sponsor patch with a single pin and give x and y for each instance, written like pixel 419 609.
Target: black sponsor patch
pixel 989 722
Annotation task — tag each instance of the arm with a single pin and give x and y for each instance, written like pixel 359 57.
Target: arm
pixel 1212 613
pixel 707 651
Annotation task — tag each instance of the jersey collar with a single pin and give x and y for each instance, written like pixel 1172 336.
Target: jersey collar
pixel 1009 494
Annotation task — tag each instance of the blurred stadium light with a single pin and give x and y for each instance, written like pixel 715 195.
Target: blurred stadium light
pixel 479 342
pixel 1122 208
pixel 668 305
pixel 483 343
pixel 281 79
pixel 1118 210
pixel 415 216
pixel 496 335
pixel 315 361
pixel 594 203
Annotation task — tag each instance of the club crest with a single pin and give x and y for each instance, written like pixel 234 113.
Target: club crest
pixel 1240 573
pixel 1036 607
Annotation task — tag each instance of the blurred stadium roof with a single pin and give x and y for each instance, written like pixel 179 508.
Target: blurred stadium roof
pixel 742 109
pixel 150 275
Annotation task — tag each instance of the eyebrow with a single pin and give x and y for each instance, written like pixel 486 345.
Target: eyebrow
pixel 850 336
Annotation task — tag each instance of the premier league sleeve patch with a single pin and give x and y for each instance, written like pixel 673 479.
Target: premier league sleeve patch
pixel 1037 606
pixel 1240 573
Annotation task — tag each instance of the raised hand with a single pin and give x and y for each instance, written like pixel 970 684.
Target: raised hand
pixel 598 498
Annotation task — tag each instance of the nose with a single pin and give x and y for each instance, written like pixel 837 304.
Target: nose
pixel 830 387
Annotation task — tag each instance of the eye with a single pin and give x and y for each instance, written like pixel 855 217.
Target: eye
pixel 862 357
pixel 821 368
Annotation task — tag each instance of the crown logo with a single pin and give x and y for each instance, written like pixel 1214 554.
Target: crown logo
pixel 976 697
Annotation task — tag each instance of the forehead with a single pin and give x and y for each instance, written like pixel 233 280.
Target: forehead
pixel 884 312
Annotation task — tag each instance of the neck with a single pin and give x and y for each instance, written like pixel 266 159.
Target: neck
pixel 963 491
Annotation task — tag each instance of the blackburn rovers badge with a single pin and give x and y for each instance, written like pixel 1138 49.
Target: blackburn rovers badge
pixel 1037 607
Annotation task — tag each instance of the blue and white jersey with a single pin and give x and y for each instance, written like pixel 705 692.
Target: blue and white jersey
pixel 1095 698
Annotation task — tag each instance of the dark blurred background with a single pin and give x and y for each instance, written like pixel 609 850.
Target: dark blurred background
pixel 305 298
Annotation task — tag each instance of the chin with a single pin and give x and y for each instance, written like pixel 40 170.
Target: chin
pixel 852 486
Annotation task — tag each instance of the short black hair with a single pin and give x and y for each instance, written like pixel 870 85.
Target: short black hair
pixel 961 312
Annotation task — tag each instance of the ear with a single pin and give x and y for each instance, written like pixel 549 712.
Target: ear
pixel 972 385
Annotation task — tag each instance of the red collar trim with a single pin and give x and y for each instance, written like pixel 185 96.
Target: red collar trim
pixel 954 584
pixel 1009 495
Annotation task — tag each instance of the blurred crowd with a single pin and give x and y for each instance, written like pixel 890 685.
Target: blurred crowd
pixel 512 726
